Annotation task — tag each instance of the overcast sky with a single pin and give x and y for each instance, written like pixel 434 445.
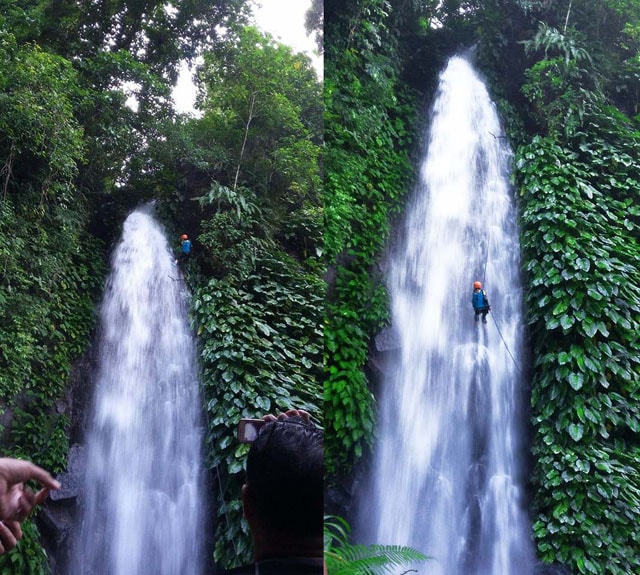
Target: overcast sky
pixel 284 20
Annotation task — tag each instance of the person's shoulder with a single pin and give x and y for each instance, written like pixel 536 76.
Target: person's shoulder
pixel 291 566
pixel 281 566
pixel 242 570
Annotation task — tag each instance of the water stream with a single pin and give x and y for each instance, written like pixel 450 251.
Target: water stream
pixel 142 509
pixel 447 476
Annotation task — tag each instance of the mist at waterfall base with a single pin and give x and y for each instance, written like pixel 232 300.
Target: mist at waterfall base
pixel 447 475
pixel 142 507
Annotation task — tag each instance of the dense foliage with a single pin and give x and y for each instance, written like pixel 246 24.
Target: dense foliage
pixel 244 180
pixel 50 267
pixel 584 302
pixel 265 100
pixel 261 353
pixel 367 140
pixel 580 216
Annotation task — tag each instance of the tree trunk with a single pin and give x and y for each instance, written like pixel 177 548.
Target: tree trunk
pixel 244 141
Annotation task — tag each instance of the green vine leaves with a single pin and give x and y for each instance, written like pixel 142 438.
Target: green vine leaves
pixel 261 352
pixel 580 221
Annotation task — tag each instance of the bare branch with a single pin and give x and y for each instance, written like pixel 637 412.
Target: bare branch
pixel 7 171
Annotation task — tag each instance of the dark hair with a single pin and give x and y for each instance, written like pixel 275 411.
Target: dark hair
pixel 285 476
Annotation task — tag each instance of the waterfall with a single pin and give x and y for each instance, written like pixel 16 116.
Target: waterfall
pixel 143 508
pixel 447 472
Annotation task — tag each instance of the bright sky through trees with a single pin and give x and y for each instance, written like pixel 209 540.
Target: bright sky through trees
pixel 284 20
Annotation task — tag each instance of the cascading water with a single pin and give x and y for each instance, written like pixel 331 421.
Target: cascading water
pixel 447 471
pixel 143 508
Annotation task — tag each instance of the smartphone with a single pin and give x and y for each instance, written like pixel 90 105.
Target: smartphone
pixel 248 429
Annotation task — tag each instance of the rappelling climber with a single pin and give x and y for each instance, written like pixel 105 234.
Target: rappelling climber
pixel 185 248
pixel 480 302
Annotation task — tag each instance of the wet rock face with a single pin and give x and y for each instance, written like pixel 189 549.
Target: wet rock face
pixel 388 339
pixel 57 517
pixel 73 480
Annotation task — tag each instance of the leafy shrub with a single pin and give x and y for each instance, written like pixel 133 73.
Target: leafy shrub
pixel 28 558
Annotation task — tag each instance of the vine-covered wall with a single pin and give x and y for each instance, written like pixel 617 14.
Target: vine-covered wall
pixel 580 222
pixel 368 133
pixel 261 352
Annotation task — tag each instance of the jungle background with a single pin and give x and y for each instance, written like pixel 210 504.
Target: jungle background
pixel 88 132
pixel 566 78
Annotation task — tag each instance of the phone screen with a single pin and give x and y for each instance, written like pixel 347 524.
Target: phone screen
pixel 248 429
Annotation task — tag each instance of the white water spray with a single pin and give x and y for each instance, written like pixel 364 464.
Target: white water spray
pixel 143 508
pixel 448 472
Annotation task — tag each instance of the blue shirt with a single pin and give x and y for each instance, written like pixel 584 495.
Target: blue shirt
pixel 479 299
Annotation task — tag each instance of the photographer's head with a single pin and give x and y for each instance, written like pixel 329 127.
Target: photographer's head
pixel 283 493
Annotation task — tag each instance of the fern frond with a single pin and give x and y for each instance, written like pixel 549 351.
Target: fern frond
pixel 370 559
pixel 343 558
pixel 336 531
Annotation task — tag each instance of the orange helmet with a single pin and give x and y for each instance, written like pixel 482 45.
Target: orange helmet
pixel 477 285
pixel 184 237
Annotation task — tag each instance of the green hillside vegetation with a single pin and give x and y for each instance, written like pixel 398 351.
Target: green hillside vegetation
pixel 565 76
pixel 242 178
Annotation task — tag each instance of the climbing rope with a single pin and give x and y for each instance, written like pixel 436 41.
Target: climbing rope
pixel 505 344
pixel 224 507
pixel 222 502
pixel 484 273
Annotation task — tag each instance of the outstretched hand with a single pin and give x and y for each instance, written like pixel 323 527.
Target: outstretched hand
pixel 17 501
pixel 10 534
